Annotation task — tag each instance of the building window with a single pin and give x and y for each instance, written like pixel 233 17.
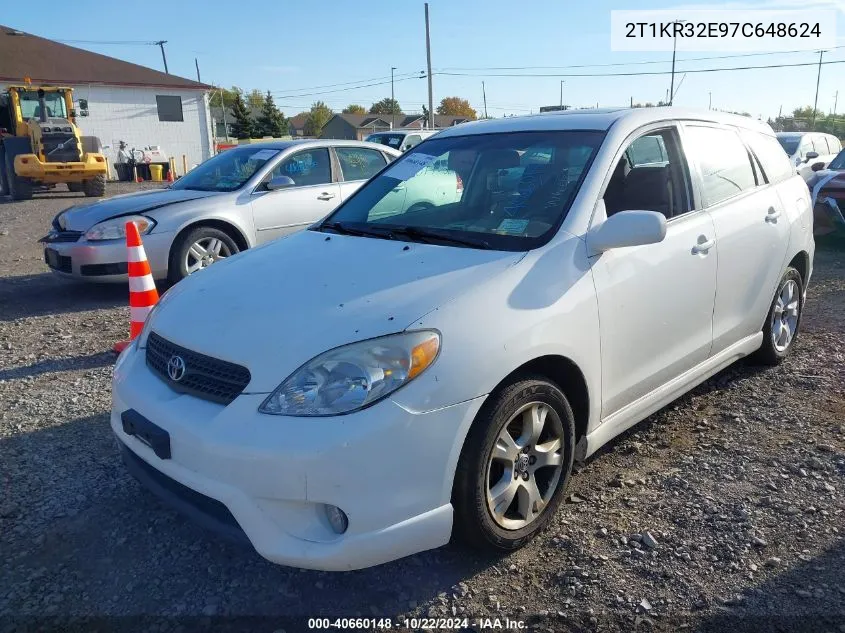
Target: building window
pixel 169 108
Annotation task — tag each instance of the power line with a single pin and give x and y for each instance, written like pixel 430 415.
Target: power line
pixel 639 73
pixel 347 83
pixel 312 94
pixel 637 63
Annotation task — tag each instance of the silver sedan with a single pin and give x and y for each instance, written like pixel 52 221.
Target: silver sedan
pixel 240 198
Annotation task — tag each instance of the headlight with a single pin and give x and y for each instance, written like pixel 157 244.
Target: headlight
pixel 115 229
pixel 354 376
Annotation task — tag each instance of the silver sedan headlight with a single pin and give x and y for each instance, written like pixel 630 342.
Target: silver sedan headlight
pixel 115 229
pixel 354 376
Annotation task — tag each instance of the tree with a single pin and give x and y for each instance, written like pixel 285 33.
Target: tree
pixel 227 96
pixel 243 126
pixel 255 99
pixel 318 116
pixel 455 106
pixel 386 106
pixel 354 108
pixel 271 122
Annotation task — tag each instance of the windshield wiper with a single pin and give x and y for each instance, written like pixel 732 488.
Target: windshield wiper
pixel 345 229
pixel 427 235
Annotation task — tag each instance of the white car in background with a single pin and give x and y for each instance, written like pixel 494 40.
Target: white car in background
pixel 401 140
pixel 809 151
pixel 370 386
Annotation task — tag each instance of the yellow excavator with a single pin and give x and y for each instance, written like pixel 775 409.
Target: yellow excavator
pixel 40 144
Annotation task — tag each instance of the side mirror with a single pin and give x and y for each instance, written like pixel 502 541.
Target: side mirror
pixel 817 166
pixel 280 182
pixel 627 228
pixel 811 156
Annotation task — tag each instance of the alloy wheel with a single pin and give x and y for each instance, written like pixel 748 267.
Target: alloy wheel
pixel 525 466
pixel 785 315
pixel 204 252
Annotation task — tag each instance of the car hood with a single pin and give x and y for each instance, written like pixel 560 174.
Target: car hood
pixel 274 308
pixel 83 216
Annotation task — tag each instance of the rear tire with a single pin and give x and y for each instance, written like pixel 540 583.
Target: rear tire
pixel 76 187
pixel 95 187
pixel 217 245
pixel 503 467
pixel 17 187
pixel 782 321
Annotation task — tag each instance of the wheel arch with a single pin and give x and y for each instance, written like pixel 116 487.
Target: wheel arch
pixel 801 263
pixel 222 225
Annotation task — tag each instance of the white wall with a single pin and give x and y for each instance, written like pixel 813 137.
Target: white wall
pixel 130 114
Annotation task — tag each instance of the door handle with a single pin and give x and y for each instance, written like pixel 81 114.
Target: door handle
pixel 772 215
pixel 703 247
pixel 325 196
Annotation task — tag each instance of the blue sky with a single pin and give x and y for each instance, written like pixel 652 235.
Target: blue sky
pixel 290 48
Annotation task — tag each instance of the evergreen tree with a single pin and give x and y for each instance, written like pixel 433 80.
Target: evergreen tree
pixel 243 125
pixel 271 122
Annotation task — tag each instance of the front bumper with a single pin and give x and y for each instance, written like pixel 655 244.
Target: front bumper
pixel 30 166
pixel 390 470
pixel 104 261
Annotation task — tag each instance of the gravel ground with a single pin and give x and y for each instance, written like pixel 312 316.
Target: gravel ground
pixel 724 511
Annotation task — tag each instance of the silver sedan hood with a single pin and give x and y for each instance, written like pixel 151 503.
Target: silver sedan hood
pixel 82 217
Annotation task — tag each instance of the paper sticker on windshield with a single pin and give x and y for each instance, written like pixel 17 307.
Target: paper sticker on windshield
pixel 264 154
pixel 512 226
pixel 409 166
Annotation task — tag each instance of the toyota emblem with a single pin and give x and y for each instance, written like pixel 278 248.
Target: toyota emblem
pixel 176 368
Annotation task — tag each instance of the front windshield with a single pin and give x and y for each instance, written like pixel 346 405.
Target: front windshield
pixel 789 144
pixel 838 162
pixel 391 140
pixel 506 191
pixel 227 171
pixel 31 108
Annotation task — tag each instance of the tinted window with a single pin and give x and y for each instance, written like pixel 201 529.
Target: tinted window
pixel 775 163
pixel 308 167
pixel 723 160
pixel 789 144
pixel 838 162
pixel 477 187
pixel 169 108
pixel 359 164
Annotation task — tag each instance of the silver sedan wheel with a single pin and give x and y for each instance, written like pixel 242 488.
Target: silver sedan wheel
pixel 525 466
pixel 785 316
pixel 204 252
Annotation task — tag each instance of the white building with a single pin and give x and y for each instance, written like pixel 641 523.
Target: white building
pixel 125 102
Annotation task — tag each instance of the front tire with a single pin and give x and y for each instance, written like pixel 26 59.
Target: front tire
pixel 515 465
pixel 198 249
pixel 95 187
pixel 783 320
pixel 17 187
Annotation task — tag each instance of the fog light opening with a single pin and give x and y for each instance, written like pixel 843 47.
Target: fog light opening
pixel 337 519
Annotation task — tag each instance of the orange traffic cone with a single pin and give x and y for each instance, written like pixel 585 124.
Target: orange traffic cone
pixel 142 289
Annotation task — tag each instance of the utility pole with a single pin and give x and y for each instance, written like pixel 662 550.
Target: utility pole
pixel 561 94
pixel 710 102
pixel 392 101
pixel 225 123
pixel 428 59
pixel 816 102
pixel 161 44
pixel 835 103
pixel 197 64
pixel 484 94
pixel 674 49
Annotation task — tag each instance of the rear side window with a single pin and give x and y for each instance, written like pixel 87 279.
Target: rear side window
pixel 359 163
pixel 723 161
pixel 767 149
